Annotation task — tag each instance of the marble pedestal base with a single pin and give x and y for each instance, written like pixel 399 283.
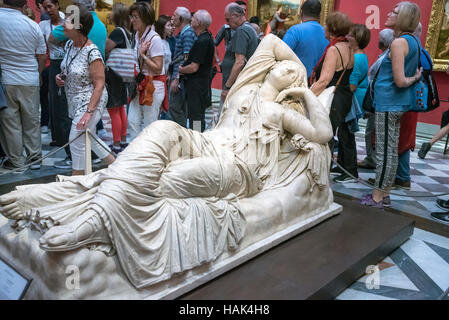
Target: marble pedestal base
pixel 85 274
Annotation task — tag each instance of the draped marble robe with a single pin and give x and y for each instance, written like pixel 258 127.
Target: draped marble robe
pixel 170 201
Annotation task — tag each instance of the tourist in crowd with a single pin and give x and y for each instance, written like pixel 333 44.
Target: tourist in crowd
pixel 386 36
pixel 22 58
pixel 225 33
pixel 241 4
pixel 334 69
pixel 197 69
pixel 44 98
pixel 98 35
pixel 119 39
pixel 59 119
pixel 3 105
pixel 165 28
pixel 398 72
pixel 184 42
pixel 82 75
pixel 43 12
pixel 358 38
pixel 145 107
pixel 407 132
pixel 307 39
pixel 243 43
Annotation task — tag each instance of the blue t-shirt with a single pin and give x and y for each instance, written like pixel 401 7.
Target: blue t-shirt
pixel 98 34
pixel 308 42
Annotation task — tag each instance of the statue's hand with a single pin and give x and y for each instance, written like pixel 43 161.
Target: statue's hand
pixel 295 93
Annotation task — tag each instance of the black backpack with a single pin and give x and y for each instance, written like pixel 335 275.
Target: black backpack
pixel 433 100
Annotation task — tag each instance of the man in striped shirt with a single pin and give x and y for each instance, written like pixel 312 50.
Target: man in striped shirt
pixel 184 42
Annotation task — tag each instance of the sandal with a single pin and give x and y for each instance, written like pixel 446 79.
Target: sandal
pixel 98 236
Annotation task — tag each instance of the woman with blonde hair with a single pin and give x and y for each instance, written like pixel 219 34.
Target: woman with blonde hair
pixel 397 74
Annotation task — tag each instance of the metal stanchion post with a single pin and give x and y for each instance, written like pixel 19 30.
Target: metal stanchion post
pixel 88 153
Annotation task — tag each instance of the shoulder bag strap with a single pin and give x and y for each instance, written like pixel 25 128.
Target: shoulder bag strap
pixel 344 71
pixel 139 59
pixel 128 44
pixel 419 48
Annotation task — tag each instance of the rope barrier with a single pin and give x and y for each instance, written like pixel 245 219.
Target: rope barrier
pixel 56 150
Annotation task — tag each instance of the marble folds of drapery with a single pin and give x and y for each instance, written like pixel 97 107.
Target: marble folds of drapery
pixel 171 200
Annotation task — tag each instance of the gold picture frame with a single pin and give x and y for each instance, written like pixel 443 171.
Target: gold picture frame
pixel 437 41
pixel 255 8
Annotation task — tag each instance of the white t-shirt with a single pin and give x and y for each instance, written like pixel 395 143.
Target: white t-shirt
pixel 167 55
pixel 56 52
pixel 20 40
pixel 156 48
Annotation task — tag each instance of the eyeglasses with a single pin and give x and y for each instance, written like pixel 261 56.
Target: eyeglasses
pixel 394 12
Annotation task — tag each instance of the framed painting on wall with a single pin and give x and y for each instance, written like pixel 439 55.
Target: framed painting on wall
pixel 288 10
pixel 437 41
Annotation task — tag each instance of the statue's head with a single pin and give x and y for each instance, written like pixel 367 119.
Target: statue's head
pixel 286 74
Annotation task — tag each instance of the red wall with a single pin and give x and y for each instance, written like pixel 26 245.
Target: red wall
pixel 355 9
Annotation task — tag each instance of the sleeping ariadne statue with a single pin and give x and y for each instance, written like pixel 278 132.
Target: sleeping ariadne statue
pixel 176 199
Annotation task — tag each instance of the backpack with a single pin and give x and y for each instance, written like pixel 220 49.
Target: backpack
pixel 424 94
pixel 433 100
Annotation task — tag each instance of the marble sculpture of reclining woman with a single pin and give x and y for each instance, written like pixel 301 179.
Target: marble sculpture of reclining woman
pixel 170 201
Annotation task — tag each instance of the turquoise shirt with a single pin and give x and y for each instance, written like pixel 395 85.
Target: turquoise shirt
pixel 387 96
pixel 359 76
pixel 98 34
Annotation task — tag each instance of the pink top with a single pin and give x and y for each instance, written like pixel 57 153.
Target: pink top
pixel 156 48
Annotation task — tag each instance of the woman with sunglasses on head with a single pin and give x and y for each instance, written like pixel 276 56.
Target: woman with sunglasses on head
pixel 397 74
pixel 150 62
pixel 82 75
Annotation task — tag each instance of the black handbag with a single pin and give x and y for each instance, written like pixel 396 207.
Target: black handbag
pixel 116 88
pixel 368 100
pixel 433 100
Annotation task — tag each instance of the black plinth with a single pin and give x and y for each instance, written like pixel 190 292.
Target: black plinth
pixel 317 264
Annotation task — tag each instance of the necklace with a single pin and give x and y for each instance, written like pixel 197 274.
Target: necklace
pixel 73 58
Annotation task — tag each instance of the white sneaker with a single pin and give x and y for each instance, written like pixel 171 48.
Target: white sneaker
pixel 63 164
pixel 44 129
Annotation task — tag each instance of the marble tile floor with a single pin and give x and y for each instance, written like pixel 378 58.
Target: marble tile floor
pixel 418 270
pixel 429 177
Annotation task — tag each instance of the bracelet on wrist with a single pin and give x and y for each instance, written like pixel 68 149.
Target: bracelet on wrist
pixel 90 111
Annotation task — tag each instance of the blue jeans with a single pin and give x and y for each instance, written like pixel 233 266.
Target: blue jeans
pixel 403 172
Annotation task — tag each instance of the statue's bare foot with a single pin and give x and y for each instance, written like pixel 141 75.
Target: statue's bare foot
pixel 86 229
pixel 12 206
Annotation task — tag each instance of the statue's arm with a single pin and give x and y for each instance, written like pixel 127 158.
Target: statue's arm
pixel 316 129
pixel 281 51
